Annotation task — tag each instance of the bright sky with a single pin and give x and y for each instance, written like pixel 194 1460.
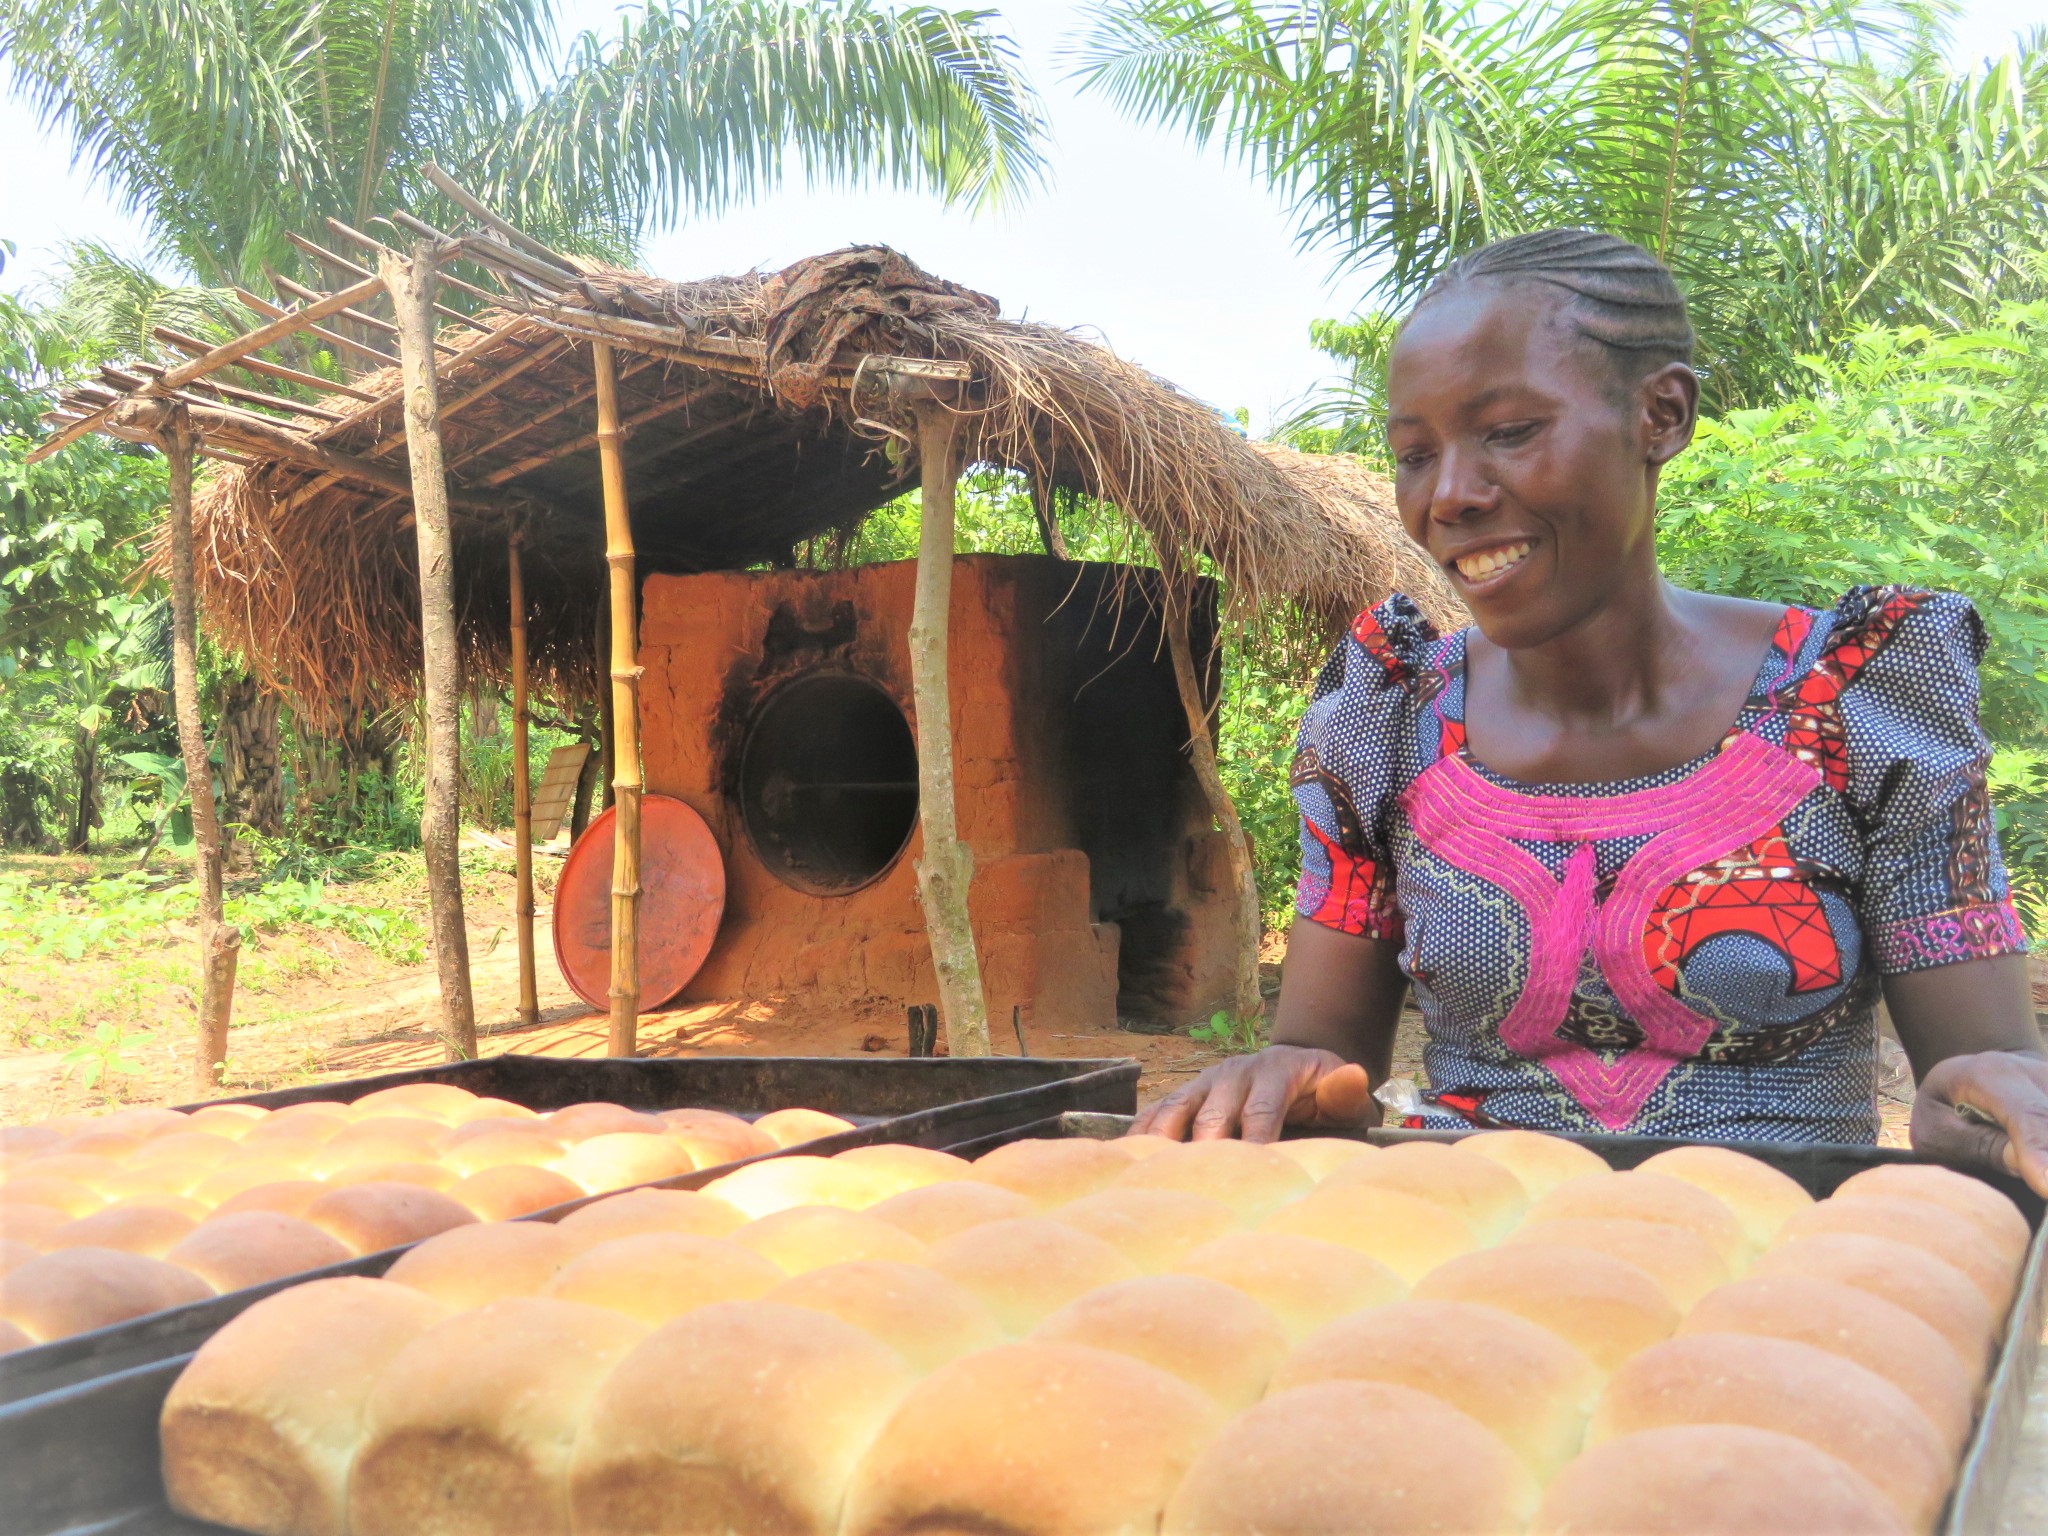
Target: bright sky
pixel 1177 258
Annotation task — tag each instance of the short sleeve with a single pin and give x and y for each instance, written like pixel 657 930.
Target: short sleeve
pixel 1344 780
pixel 1934 888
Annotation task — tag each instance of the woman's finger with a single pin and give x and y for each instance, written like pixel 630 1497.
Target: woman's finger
pixel 1171 1115
pixel 1343 1098
pixel 1989 1109
pixel 1221 1111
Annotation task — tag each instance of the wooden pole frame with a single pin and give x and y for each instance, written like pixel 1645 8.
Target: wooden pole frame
pixel 625 695
pixel 220 942
pixel 1247 1002
pixel 522 787
pixel 411 281
pixel 945 869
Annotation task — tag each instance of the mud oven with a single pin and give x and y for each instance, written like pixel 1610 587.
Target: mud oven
pixel 778 704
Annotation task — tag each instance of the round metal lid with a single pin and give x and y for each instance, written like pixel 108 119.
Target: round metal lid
pixel 682 898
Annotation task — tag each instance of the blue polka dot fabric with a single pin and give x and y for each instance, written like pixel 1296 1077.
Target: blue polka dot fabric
pixel 1693 953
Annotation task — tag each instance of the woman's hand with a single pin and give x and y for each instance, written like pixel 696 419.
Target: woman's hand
pixel 1255 1096
pixel 1989 1109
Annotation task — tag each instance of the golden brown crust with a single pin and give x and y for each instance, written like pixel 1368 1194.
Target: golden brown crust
pixel 1933 1290
pixel 920 1314
pixel 1762 1197
pixel 1025 1269
pixel 651 1210
pixel 1153 1228
pixel 74 1290
pixel 1216 1339
pixel 939 1210
pixel 1684 1264
pixel 1605 1309
pixel 1410 1236
pixel 656 1276
pixel 369 1218
pixel 474 1266
pixel 1479 1192
pixel 252 1247
pixel 1252 1180
pixel 1949 1236
pixel 1302 1282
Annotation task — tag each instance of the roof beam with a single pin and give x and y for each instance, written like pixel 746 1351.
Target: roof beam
pixel 341 263
pixel 474 206
pixel 194 345
pixel 263 306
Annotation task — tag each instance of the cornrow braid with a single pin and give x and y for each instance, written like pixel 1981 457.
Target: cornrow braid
pixel 1620 295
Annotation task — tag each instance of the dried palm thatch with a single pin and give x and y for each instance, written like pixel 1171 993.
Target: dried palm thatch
pixel 763 411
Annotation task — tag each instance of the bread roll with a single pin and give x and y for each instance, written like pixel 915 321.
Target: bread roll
pixel 1479 1192
pixel 110 1144
pixel 1762 1197
pixel 252 1247
pixel 1031 1440
pixel 651 1210
pixel 1540 1161
pixel 289 1197
pixel 20 1141
pixel 369 1218
pixel 141 1120
pixel 1951 1237
pixel 778 1183
pixel 1684 1264
pixel 31 1224
pixel 244 1173
pixel 77 1167
pixel 233 1121
pixel 808 1237
pixel 75 1290
pixel 1025 1269
pixel 153 1181
pixel 13 1255
pixel 715 1137
pixel 135 1226
pixel 183 1146
pixel 423 1175
pixel 1252 1180
pixel 432 1101
pixel 469 1429
pixel 259 1431
pixel 1153 1228
pixel 1143 1145
pixel 940 1210
pixel 1304 1283
pixel 327 1109
pixel 1352 1458
pixel 72 1199
pixel 1991 1212
pixel 1522 1382
pixel 385 1139
pixel 1051 1173
pixel 1605 1309
pixel 1712 1480
pixel 1214 1338
pixel 501 1146
pixel 579 1122
pixel 793 1127
pixel 1410 1236
pixel 1856 1325
pixel 746 1415
pixel 657 1276
pixel 1321 1156
pixel 12 1338
pixel 1934 1291
pixel 1853 1414
pixel 491 1261
pixel 621 1159
pixel 489 1107
pixel 906 1167
pixel 916 1311
pixel 499 1194
pixel 309 1129
pixel 1640 1196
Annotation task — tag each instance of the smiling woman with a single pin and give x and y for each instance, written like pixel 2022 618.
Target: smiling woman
pixel 1647 857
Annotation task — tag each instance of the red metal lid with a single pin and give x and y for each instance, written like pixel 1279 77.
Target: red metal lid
pixel 682 898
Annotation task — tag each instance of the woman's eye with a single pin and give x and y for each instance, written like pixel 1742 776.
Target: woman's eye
pixel 1414 458
pixel 1514 432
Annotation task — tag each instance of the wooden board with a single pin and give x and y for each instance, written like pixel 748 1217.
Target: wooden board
pixel 557 791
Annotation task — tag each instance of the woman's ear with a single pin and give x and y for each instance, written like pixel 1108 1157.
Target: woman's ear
pixel 1670 401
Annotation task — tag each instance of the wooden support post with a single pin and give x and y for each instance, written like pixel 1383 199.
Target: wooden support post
pixel 220 944
pixel 1247 1002
pixel 946 869
pixel 522 791
pixel 625 695
pixel 411 282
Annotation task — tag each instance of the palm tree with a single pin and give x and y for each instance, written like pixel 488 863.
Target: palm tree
pixel 226 123
pixel 1803 165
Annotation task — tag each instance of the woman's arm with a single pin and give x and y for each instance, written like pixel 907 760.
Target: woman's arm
pixel 1969 1031
pixel 1333 1040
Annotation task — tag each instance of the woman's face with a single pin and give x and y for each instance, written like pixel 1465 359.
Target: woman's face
pixel 1524 463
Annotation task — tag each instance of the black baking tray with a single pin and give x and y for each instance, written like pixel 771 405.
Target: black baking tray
pixel 84 1461
pixel 923 1102
pixel 1974 1506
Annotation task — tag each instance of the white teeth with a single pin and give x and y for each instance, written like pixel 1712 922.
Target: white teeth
pixel 1489 562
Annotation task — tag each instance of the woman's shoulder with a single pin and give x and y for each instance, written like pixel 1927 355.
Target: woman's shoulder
pixel 1401 645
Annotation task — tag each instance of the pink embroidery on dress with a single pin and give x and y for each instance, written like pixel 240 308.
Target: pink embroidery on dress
pixel 1472 823
pixel 1978 932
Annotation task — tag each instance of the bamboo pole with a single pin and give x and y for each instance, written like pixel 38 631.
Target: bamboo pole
pixel 946 868
pixel 1180 592
pixel 220 944
pixel 522 790
pixel 625 695
pixel 411 282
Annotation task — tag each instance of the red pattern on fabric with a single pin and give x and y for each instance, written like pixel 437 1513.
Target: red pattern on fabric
pixel 1360 899
pixel 1759 890
pixel 1366 630
pixel 1450 737
pixel 1813 707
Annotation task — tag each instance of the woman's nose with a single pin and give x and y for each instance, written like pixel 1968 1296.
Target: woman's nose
pixel 1461 491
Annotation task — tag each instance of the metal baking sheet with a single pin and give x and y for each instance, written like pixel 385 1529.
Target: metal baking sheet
pixel 921 1102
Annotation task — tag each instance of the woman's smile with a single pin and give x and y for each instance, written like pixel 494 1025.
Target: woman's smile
pixel 1482 570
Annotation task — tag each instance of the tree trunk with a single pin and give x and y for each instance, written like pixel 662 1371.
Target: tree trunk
pixel 625 719
pixel 85 810
pixel 21 812
pixel 251 773
pixel 586 791
pixel 1248 1004
pixel 220 944
pixel 411 282
pixel 522 795
pixel 946 868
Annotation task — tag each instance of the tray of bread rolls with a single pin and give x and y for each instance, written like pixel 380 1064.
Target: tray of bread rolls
pixel 129 1237
pixel 1050 1332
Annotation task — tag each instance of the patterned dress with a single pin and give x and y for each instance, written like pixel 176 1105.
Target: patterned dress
pixel 1692 953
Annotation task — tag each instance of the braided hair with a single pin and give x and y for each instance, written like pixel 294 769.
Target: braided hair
pixel 1618 294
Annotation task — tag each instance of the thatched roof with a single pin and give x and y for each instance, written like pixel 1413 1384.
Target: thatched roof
pixel 760 417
